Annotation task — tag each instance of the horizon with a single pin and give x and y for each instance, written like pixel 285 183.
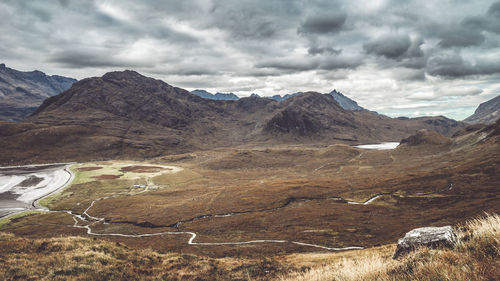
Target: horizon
pixel 399 59
pixel 262 96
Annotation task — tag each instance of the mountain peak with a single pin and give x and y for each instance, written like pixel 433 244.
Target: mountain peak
pixel 125 74
pixel 345 102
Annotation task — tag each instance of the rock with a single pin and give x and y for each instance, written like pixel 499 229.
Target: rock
pixel 427 237
pixel 426 136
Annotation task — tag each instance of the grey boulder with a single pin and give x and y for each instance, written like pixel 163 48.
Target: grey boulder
pixel 433 237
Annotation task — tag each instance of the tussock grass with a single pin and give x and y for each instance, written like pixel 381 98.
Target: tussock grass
pixel 76 258
pixel 475 258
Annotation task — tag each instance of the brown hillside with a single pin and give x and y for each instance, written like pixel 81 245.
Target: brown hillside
pixel 127 115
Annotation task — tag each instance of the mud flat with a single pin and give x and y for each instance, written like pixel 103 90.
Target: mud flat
pixel 22 186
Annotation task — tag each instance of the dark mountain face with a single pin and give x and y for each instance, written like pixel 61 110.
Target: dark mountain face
pixel 127 115
pixel 22 92
pixel 345 102
pixel 487 113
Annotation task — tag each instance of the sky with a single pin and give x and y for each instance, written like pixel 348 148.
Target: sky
pixel 399 58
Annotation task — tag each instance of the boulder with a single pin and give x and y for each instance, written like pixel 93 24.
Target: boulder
pixel 433 237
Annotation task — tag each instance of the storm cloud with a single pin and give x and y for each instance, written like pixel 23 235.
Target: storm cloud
pixel 379 53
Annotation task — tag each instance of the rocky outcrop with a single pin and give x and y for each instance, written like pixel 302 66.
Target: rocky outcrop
pixel 426 137
pixel 486 113
pixel 433 237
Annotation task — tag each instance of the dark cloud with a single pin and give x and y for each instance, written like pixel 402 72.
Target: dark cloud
pixel 494 9
pixel 340 62
pixel 252 19
pixel 323 23
pixel 92 58
pixel 461 37
pixel 389 46
pixel 489 22
pixel 289 64
pixel 323 50
pixel 452 65
pixel 318 63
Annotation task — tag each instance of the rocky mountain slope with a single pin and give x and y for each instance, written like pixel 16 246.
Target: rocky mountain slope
pixel 127 115
pixel 487 113
pixel 22 92
pixel 344 101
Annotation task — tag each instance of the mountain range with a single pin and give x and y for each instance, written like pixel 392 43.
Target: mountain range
pixel 342 100
pixel 127 115
pixel 22 92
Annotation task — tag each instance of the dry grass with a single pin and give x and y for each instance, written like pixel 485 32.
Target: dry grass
pixel 73 258
pixel 476 257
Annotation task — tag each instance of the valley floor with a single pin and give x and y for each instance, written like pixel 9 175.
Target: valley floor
pixel 255 212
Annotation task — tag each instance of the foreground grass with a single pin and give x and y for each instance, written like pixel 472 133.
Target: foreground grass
pixel 74 258
pixel 476 257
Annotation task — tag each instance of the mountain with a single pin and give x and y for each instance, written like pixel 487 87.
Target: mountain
pixel 203 94
pixel 344 101
pixel 127 115
pixel 287 96
pixel 226 96
pixel 218 96
pixel 486 113
pixel 22 92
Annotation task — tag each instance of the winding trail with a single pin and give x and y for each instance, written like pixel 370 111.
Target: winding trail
pixel 93 220
pixel 86 221
pixel 190 241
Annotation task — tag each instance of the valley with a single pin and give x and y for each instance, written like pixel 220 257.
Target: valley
pixel 229 189
pixel 250 140
pixel 274 200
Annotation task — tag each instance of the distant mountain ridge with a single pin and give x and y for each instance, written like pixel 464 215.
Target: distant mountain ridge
pixel 22 92
pixel 285 97
pixel 218 96
pixel 342 100
pixel 126 115
pixel 487 112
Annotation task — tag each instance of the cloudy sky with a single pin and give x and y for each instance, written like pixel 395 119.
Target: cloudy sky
pixel 397 57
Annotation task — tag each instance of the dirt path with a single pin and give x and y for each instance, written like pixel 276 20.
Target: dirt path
pixel 92 220
pixel 86 220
